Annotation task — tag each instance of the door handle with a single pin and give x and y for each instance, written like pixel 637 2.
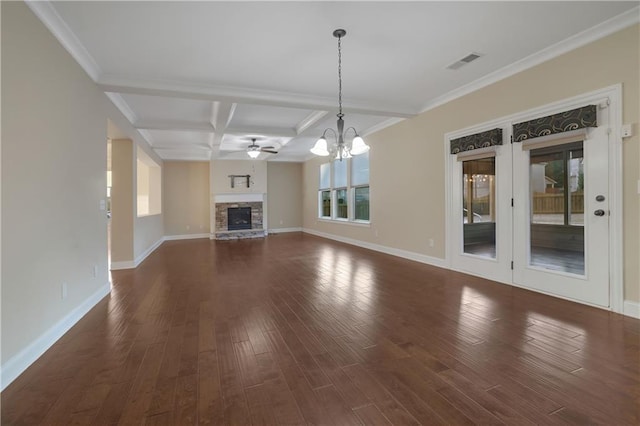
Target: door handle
pixel 599 212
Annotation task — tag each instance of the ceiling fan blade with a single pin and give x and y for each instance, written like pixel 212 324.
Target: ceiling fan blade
pixel 269 151
pixel 269 147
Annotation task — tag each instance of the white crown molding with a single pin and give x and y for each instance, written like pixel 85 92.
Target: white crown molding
pixel 122 105
pixel 585 37
pixel 183 155
pixel 110 83
pixel 18 363
pixel 382 125
pixel 45 11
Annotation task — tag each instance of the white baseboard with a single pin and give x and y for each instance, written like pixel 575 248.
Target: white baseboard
pixel 23 359
pixel 127 264
pixel 148 251
pixel 434 261
pixel 185 237
pixel 631 309
pixel 283 230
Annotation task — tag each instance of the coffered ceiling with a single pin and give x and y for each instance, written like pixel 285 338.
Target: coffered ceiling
pixel 199 80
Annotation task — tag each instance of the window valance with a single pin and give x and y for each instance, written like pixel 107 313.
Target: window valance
pixel 567 121
pixel 478 140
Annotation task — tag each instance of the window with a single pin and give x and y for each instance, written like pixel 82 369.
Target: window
pixel 324 197
pixel 360 184
pixel 149 187
pixel 340 189
pixel 557 185
pixel 344 190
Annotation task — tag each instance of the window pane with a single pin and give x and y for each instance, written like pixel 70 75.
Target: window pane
pixel 479 206
pixel 360 169
pixel 361 206
pixel 340 173
pixel 547 187
pixel 341 203
pixel 326 203
pixel 325 175
pixel 557 204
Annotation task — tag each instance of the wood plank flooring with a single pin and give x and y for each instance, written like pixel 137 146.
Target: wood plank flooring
pixel 296 329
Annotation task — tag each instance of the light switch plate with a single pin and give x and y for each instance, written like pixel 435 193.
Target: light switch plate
pixel 103 205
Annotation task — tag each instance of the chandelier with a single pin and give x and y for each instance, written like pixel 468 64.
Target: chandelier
pixel 340 149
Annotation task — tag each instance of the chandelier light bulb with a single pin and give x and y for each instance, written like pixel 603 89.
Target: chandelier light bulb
pixel 253 154
pixel 320 148
pixel 358 146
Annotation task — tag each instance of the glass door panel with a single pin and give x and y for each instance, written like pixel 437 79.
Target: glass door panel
pixel 556 177
pixel 479 207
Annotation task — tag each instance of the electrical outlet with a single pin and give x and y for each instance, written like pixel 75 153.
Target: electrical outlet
pixel 431 242
pixel 188 227
pixel 94 271
pixel 281 221
pixel 63 291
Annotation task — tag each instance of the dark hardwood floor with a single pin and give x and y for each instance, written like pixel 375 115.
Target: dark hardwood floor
pixel 295 329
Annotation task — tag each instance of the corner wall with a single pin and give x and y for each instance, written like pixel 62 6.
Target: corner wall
pixel 186 198
pixel 284 196
pixel 54 161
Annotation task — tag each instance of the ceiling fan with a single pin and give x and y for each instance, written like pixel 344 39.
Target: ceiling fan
pixel 254 149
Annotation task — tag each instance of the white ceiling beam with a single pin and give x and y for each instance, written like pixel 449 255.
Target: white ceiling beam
pixel 310 120
pixel 178 126
pixel 263 131
pixel 221 114
pixel 177 146
pixel 246 96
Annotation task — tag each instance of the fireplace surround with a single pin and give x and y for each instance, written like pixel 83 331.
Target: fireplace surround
pixel 230 227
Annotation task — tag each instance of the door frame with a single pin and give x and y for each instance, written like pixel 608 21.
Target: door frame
pixel 612 95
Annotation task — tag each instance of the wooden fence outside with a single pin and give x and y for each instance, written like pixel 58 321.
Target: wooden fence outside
pixel 554 203
pixel 542 203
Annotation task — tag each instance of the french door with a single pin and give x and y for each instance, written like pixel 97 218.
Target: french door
pixel 535 214
pixel 561 215
pixel 481 206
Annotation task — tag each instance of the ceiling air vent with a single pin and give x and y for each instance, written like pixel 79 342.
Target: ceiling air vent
pixel 464 61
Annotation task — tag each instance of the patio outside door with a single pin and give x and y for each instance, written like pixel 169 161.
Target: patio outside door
pixel 561 215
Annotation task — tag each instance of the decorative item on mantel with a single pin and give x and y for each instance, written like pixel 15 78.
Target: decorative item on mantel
pixel 340 149
pixel 234 177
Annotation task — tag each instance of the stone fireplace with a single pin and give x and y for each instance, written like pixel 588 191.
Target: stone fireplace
pixel 238 217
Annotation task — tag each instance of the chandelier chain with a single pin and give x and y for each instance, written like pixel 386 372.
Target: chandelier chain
pixel 340 75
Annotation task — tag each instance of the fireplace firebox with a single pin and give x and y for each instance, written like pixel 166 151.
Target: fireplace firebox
pixel 238 218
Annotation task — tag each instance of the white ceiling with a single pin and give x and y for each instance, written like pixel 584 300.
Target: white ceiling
pixel 200 79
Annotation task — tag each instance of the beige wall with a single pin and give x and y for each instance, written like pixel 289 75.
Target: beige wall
pixel 417 179
pixel 54 146
pixel 221 169
pixel 284 195
pixel 122 200
pixel 186 195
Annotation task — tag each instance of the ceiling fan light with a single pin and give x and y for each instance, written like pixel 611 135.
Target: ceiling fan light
pixel 358 146
pixel 320 148
pixel 253 153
